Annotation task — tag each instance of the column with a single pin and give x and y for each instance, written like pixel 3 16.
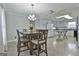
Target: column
pixel 3 23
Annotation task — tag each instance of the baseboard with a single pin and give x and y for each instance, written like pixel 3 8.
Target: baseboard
pixel 12 40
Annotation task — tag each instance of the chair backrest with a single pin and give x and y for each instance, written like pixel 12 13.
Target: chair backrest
pixel 44 33
pixel 22 35
pixel 18 35
pixel 36 36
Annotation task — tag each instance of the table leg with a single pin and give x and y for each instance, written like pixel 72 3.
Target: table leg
pixel 64 35
pixel 59 36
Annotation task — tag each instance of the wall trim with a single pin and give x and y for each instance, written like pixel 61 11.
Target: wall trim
pixel 15 40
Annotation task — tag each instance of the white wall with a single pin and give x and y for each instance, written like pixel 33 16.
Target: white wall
pixel 41 24
pixel 15 21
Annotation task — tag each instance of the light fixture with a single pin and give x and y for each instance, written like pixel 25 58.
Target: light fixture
pixel 32 16
pixel 65 16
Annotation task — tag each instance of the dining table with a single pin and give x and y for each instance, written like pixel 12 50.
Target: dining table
pixel 62 32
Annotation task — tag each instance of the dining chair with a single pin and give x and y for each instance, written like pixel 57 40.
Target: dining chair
pixel 40 42
pixel 23 42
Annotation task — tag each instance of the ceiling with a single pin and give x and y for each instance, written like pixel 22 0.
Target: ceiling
pixel 43 9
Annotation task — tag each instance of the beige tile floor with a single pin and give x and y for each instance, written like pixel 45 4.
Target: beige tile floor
pixel 66 47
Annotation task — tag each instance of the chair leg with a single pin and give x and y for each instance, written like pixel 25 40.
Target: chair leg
pixel 31 49
pixel 38 51
pixel 18 50
pixel 18 53
pixel 46 49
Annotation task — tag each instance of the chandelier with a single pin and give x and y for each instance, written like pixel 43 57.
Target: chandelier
pixel 32 16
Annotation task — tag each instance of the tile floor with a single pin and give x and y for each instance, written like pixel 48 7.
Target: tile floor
pixel 66 47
